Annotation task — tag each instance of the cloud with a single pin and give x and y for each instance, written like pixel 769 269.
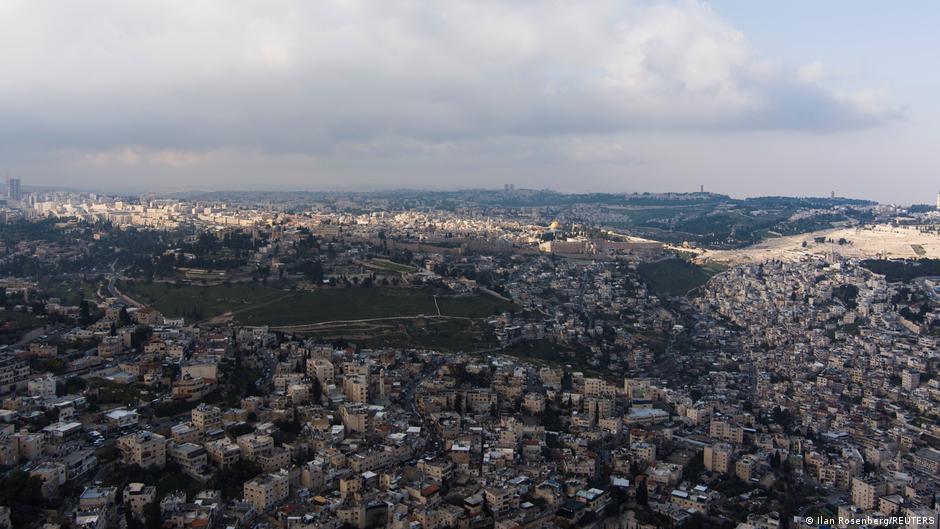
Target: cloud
pixel 167 82
pixel 136 156
pixel 813 72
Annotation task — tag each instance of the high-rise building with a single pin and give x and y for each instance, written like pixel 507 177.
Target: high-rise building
pixel 13 189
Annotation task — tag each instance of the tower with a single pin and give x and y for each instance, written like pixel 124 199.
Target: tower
pixel 938 199
pixel 13 188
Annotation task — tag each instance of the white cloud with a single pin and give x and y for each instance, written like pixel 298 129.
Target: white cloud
pixel 136 156
pixel 167 82
pixel 811 73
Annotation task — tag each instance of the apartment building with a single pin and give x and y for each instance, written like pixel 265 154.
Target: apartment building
pixel 866 491
pixel 43 387
pixel 192 458
pixel 726 431
pixel 322 370
pixel 223 453
pixel 501 499
pixel 267 490
pixel 927 460
pixel 13 373
pixel 137 496
pixel 356 389
pixel 110 346
pixel 205 417
pixel 144 449
pixel 274 459
pixel 252 445
pixel 717 457
pixel 745 468
pixel 120 418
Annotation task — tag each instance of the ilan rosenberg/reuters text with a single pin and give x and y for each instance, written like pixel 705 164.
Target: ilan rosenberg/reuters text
pixel 886 521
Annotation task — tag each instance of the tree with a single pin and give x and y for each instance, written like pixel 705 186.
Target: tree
pixel 84 312
pixel 231 480
pixel 74 385
pixel 131 521
pixel 152 516
pixel 642 495
pixel 23 494
pixel 775 460
pixel 316 390
pixel 140 335
pixel 241 429
pixel 123 317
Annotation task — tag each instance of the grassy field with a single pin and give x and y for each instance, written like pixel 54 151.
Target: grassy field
pixel 73 289
pixel 547 353
pixel 114 393
pixel 367 303
pixel 444 335
pixel 675 277
pixel 903 269
pixel 713 268
pixel 478 306
pixel 198 302
pixel 254 304
pixel 384 265
pixel 455 335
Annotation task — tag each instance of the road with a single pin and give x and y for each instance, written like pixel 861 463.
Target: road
pixel 113 290
pixel 408 395
pixel 30 336
pixel 40 333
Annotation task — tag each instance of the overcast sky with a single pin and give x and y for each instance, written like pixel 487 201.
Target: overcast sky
pixel 747 98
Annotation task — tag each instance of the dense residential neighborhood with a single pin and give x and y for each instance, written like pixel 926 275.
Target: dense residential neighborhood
pixel 208 365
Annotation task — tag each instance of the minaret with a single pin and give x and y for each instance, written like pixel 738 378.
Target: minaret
pixel 938 199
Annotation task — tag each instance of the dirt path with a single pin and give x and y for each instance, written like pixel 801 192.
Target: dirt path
pixel 314 326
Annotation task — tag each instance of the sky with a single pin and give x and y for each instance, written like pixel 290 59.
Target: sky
pixel 744 98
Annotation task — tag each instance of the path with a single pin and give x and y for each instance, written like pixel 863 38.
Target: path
pixel 312 326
